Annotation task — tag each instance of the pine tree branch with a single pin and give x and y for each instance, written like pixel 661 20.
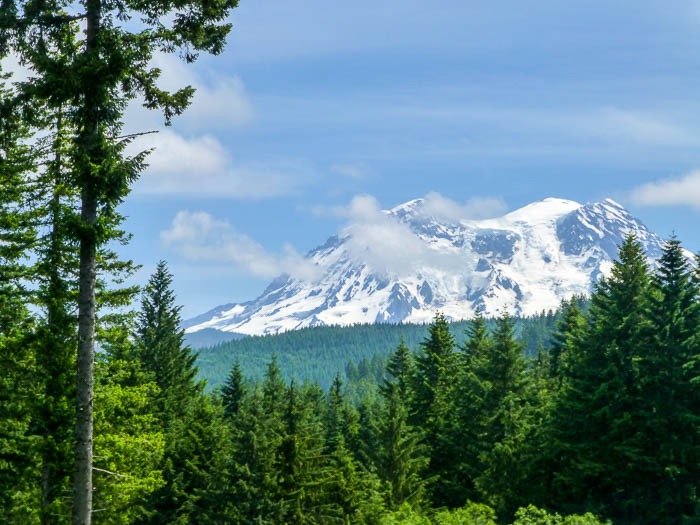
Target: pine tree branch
pixel 52 20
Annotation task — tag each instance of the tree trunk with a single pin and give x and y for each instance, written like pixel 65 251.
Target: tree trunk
pixel 82 482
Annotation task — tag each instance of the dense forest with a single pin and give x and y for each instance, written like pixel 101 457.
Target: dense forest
pixel 600 424
pixel 357 351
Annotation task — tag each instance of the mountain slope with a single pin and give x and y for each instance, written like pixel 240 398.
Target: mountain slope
pixel 524 262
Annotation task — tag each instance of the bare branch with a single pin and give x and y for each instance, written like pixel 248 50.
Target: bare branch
pixel 132 135
pixel 110 472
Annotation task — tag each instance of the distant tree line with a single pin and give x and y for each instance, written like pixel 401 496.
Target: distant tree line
pixel 357 351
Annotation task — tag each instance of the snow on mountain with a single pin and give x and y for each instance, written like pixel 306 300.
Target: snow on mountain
pixel 524 262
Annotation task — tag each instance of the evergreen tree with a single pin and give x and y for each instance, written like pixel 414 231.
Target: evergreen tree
pixel 365 444
pixel 596 415
pixel 273 391
pixel 56 279
pixel 254 478
pixel 464 438
pixel 507 419
pixel 400 370
pixel 432 385
pixel 233 392
pixel 96 78
pixel 569 329
pixel 671 393
pixel 302 473
pixel 38 209
pixel 504 371
pixel 19 387
pixel 195 434
pixel 401 457
pixel 335 423
pixel 434 365
pixel 160 347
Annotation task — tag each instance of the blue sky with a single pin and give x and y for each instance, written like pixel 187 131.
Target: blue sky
pixel 316 102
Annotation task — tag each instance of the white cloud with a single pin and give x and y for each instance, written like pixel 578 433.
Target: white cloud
pixel 189 158
pixel 636 126
pixel 352 171
pixel 386 244
pixel 202 166
pixel 220 101
pixel 439 206
pixel 389 245
pixel 681 191
pixel 199 236
pixel 173 154
pixel 607 124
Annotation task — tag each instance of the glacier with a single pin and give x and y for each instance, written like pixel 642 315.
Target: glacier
pixel 524 262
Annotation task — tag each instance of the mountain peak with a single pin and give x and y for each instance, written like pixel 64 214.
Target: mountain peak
pixel 527 261
pixel 544 210
pixel 407 207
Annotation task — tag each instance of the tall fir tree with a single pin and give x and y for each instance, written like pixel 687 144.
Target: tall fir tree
pixel 464 438
pixel 160 347
pixel 351 493
pixel 233 391
pixel 400 369
pixel 597 412
pixel 569 329
pixel 95 78
pixel 506 412
pixel 19 384
pixel 671 393
pixel 432 386
pixel 433 368
pixel 303 476
pixel 195 434
pixel 253 464
pixel 504 371
pixel 401 457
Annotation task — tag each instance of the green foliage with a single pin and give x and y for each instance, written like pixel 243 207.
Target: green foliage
pixel 531 515
pixel 479 514
pixel 233 392
pixel 160 346
pixel 568 332
pixel 253 469
pixel 194 461
pixel 401 457
pixel 90 82
pixel 19 447
pixel 129 445
pixel 670 393
pixel 359 352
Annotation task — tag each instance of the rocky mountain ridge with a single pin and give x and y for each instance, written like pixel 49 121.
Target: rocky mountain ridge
pixel 524 262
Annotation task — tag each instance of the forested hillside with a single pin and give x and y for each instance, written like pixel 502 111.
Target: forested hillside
pixel 318 353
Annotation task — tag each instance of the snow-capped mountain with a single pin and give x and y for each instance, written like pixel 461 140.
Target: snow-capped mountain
pixel 523 262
